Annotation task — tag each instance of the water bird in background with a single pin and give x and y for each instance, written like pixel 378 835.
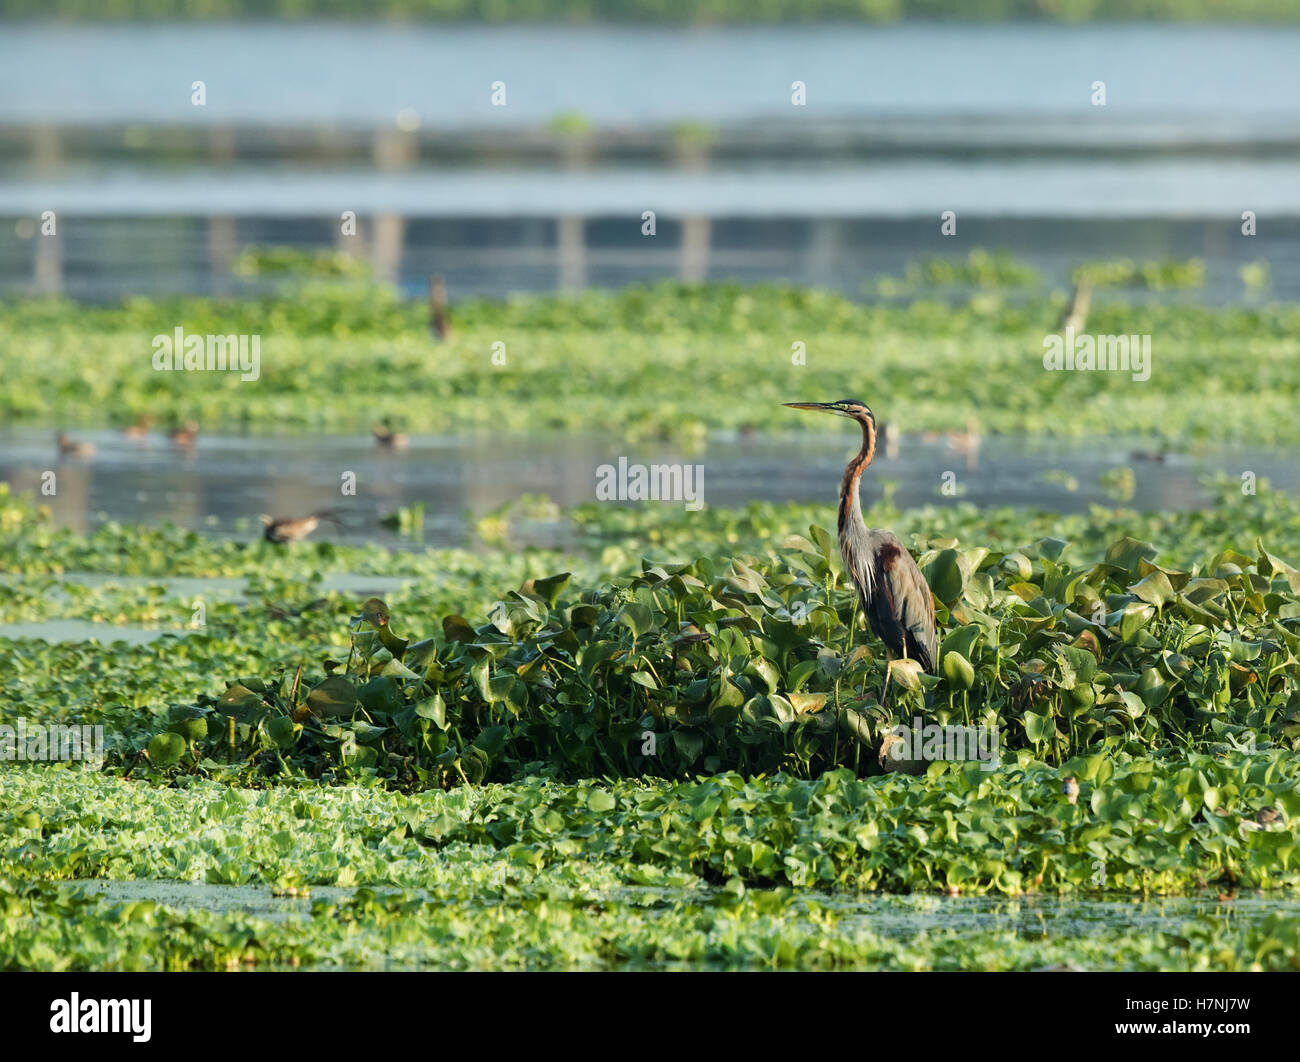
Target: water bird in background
pixel 1076 314
pixel 965 442
pixel 893 592
pixel 140 429
pixel 389 439
pixel 69 447
pixel 286 529
pixel 185 436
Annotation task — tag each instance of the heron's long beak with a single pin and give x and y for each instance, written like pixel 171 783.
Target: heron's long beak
pixel 819 407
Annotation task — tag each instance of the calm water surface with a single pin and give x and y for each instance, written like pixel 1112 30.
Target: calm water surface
pixel 303 72
pixel 223 487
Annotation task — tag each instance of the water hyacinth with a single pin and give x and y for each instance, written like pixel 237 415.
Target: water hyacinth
pixel 753 666
pixel 454 746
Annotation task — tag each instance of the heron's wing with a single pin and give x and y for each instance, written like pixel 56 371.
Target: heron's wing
pixel 907 595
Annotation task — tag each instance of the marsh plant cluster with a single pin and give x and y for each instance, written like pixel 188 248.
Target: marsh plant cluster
pixel 756 665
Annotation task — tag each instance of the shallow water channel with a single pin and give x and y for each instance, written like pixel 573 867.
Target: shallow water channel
pixel 898 916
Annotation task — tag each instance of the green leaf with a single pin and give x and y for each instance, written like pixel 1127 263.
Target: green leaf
pixel 548 589
pixel 166 749
pixel 434 709
pixel 381 694
pixel 958 670
pixel 1155 589
pixel 689 743
pixel 601 800
pixel 1082 665
pixel 1039 727
pixel 457 629
pixel 945 576
pixel 826 544
pixel 283 731
pixel 637 618
pixel 241 704
pixel 491 741
pixel 333 698
pixel 1128 552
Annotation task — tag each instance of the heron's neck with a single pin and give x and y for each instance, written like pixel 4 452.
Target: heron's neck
pixel 850 505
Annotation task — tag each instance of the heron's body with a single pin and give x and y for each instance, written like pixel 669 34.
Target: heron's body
pixel 893 592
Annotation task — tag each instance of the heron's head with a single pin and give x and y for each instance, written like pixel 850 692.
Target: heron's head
pixel 845 407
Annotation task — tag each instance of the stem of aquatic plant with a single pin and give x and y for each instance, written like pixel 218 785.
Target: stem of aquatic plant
pixel 839 711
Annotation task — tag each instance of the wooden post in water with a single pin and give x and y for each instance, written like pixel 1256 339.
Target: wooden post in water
pixel 1076 316
pixel 693 147
pixel 571 239
pixel 353 243
pixel 393 150
pixel 576 154
pixel 823 249
pixel 387 246
pixel 439 321
pixel 47 266
pixel 222 243
pixel 222 235
pixel 697 234
pixel 47 147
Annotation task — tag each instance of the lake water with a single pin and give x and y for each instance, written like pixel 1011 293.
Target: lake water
pixel 1242 77
pixel 223 487
pixel 994 122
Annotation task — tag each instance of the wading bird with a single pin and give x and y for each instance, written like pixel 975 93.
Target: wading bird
pixel 961 442
pixel 184 437
pixel 291 529
pixel 140 429
pixel 389 439
pixel 1070 788
pixel 894 593
pixel 966 442
pixel 1075 316
pixel 69 447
